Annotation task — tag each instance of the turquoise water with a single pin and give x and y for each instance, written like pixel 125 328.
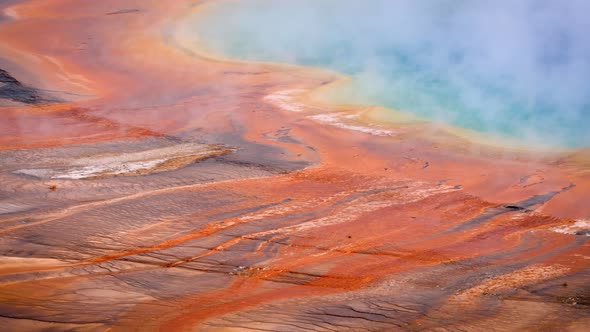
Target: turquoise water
pixel 518 69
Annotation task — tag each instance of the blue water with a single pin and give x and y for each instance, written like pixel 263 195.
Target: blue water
pixel 518 69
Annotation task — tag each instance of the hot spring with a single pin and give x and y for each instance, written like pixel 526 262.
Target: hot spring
pixel 516 69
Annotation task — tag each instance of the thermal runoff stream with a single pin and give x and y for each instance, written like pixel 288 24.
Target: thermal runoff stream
pixel 294 165
pixel 515 69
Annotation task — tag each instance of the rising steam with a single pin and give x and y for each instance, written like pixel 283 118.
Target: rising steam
pixel 517 68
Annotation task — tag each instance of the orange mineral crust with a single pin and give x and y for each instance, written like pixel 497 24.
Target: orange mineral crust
pixel 146 186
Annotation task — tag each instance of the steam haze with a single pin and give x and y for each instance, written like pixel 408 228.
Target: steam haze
pixel 512 68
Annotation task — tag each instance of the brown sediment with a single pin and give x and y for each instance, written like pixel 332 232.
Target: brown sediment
pixel 125 163
pixel 298 216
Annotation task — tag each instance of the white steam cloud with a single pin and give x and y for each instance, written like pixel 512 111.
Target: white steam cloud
pixel 509 67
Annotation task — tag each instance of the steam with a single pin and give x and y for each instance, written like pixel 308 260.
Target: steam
pixel 513 68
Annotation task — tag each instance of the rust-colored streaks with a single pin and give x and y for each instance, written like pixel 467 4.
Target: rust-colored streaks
pixel 298 225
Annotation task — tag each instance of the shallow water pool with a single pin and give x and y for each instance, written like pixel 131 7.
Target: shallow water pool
pixel 518 69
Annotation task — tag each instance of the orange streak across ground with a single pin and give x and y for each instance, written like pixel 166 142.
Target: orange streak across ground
pixel 310 227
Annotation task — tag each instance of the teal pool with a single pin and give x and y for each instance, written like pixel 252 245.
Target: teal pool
pixel 518 69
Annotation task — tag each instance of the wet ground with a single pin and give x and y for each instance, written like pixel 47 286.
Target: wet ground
pixel 218 206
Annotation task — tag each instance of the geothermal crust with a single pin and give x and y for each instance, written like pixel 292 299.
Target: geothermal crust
pixel 147 187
